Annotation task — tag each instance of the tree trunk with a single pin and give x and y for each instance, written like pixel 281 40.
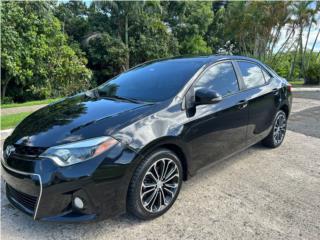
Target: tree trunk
pixel 283 45
pixel 305 47
pixel 301 72
pixel 303 58
pixel 314 44
pixel 275 40
pixel 256 46
pixel 269 42
pixel 6 81
pixel 126 38
pixel 317 55
pixel 292 67
pixel 279 53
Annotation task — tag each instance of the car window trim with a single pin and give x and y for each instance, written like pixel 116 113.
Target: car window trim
pixel 242 85
pixel 264 73
pixel 242 88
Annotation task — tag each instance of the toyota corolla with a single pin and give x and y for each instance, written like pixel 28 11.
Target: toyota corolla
pixel 128 145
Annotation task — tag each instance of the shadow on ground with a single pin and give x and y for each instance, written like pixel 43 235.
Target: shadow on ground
pixel 306 122
pixel 310 94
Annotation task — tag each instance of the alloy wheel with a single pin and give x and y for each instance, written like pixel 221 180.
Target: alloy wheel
pixel 159 185
pixel 279 128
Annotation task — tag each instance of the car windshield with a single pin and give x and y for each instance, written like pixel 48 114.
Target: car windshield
pixel 151 82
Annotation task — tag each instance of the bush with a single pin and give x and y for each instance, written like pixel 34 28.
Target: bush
pixel 312 74
pixel 36 59
pixel 6 100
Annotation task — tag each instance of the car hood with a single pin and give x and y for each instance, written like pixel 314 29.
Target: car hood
pixel 75 118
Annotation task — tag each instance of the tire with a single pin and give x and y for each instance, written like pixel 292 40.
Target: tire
pixel 155 185
pixel 278 131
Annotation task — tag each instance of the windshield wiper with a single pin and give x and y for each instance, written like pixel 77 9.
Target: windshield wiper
pixel 133 100
pixel 124 99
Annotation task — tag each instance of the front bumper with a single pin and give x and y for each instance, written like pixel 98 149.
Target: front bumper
pixel 45 191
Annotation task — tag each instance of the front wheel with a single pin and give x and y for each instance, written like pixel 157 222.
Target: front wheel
pixel 278 131
pixel 155 185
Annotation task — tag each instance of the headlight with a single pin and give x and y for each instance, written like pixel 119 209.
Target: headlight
pixel 71 153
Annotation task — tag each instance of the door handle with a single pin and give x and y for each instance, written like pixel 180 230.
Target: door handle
pixel 242 104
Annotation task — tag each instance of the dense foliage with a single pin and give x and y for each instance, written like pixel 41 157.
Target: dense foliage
pixel 36 59
pixel 50 49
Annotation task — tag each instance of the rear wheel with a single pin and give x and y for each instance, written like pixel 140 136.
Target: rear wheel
pixel 278 131
pixel 155 185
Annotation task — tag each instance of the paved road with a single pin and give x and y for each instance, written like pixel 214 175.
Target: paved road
pixel 305 117
pixel 307 94
pixel 258 194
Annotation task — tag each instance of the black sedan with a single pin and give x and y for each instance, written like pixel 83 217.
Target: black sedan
pixel 128 144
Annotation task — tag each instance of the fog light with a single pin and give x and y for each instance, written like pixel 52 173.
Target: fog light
pixel 78 202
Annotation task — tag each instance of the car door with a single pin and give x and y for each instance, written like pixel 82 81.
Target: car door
pixel 217 130
pixel 262 95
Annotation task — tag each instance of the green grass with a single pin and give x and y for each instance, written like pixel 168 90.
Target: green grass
pixel 297 83
pixel 31 103
pixel 12 120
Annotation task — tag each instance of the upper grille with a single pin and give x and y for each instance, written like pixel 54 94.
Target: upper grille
pixel 27 201
pixel 28 151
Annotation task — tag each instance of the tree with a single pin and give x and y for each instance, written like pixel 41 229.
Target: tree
pixel 47 46
pixel 254 34
pixel 317 9
pixel 36 60
pixel 73 16
pixel 189 22
pixel 121 14
pixel 313 45
pixel 111 45
pixel 303 17
pixel 215 35
pixel 107 56
pixel 151 38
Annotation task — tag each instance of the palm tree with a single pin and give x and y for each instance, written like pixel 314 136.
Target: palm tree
pixel 302 16
pixel 317 9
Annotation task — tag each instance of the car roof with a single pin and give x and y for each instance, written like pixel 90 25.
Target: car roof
pixel 212 58
pixel 206 59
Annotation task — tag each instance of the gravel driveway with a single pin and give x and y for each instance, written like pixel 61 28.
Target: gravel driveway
pixel 258 194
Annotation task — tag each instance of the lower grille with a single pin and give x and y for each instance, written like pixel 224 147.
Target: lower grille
pixel 25 200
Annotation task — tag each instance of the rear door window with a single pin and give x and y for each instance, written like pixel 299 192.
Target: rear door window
pixel 252 74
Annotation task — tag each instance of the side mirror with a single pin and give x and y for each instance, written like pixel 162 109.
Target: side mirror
pixel 204 96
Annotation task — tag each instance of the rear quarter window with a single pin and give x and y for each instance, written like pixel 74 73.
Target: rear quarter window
pixel 266 75
pixel 252 74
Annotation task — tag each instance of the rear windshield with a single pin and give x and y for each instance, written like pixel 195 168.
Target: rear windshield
pixel 151 82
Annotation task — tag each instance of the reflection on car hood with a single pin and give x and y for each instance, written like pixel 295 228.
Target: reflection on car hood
pixel 71 119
